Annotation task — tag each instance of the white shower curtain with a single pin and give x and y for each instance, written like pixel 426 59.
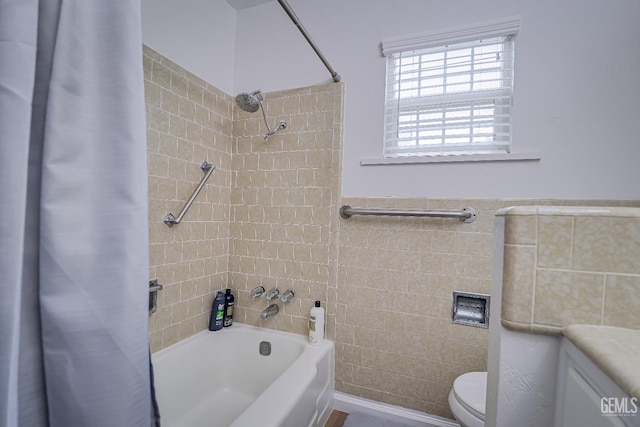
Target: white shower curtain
pixel 73 225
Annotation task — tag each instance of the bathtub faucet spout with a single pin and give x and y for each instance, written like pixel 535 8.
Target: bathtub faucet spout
pixel 272 310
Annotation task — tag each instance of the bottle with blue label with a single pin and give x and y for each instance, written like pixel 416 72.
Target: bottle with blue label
pixel 217 313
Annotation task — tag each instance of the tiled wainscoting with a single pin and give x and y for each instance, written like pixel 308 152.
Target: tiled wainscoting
pixel 575 266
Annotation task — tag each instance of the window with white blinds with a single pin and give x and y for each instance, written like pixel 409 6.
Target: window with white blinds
pixel 450 99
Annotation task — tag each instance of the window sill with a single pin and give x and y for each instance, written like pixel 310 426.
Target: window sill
pixel 462 158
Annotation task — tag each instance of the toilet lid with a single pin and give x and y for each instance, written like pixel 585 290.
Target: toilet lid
pixel 470 390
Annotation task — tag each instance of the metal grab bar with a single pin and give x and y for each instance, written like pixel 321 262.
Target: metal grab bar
pixel 170 220
pixel 296 21
pixel 154 287
pixel 466 215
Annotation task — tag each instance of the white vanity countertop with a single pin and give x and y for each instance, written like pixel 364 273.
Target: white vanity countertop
pixel 615 350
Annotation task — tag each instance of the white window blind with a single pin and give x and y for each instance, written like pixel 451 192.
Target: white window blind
pixel 450 99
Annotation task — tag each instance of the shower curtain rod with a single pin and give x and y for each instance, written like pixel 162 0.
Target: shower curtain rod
pixel 296 21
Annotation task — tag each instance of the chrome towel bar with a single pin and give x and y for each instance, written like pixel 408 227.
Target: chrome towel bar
pixel 170 220
pixel 466 215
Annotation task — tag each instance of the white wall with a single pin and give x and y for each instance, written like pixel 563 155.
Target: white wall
pixel 197 34
pixel 577 95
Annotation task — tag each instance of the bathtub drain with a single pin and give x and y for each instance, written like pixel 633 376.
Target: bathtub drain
pixel 265 348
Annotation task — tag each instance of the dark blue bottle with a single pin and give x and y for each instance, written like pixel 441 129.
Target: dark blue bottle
pixel 217 313
pixel 229 301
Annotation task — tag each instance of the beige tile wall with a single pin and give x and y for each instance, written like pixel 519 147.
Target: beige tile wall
pixel 571 266
pixel 395 342
pixel 188 121
pixel 269 215
pixel 284 192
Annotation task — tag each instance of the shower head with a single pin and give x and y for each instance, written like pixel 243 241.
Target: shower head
pixel 249 102
pixel 252 102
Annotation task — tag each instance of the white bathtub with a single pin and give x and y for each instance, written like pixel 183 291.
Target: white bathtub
pixel 220 379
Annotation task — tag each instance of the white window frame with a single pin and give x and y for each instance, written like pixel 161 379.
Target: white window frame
pixel 391 49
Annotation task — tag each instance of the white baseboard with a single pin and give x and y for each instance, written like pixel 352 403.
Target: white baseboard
pixel 349 403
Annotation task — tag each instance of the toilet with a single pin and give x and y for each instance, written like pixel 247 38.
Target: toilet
pixel 467 399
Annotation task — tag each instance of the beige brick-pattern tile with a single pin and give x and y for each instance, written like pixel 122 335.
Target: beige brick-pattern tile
pixel 396 277
pixel 281 198
pixel 191 259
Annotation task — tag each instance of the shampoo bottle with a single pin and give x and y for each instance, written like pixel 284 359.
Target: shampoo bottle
pixel 217 313
pixel 229 301
pixel 316 324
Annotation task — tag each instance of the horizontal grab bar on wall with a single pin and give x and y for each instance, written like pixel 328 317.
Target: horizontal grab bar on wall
pixel 170 220
pixel 465 215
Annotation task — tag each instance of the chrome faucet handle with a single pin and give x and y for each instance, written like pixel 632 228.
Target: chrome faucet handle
pixel 257 291
pixel 287 296
pixel 272 293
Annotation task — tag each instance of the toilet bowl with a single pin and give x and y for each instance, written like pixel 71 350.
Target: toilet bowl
pixel 467 399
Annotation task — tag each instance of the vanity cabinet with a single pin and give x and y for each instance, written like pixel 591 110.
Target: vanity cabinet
pixel 587 397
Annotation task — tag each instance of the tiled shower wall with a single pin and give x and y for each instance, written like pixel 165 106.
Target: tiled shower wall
pixel 284 196
pixel 269 215
pixel 188 121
